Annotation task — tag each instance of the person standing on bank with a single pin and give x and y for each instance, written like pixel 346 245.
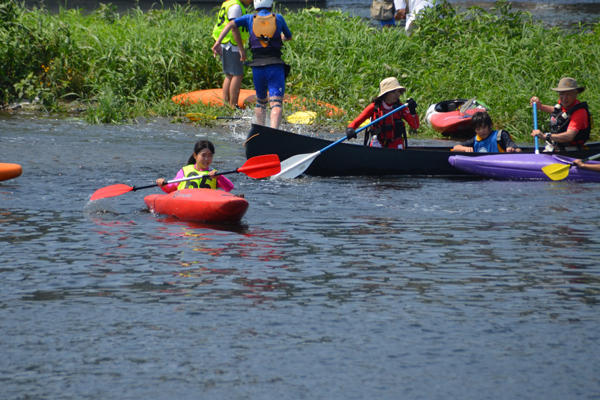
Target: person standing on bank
pixel 267 31
pixel 384 11
pixel 570 121
pixel 390 132
pixel 233 67
pixel 409 9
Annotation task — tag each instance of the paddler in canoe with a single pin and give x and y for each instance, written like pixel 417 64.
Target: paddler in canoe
pixel 390 132
pixel 570 121
pixel 198 164
pixel 267 31
pixel 486 139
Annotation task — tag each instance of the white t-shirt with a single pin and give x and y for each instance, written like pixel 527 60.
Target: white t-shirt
pixel 235 11
pixel 414 6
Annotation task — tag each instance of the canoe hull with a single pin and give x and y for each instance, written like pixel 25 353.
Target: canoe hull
pixel 9 171
pixel 206 205
pixel 355 160
pixel 520 167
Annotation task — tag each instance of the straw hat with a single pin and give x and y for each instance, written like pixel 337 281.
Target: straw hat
pixel 567 84
pixel 388 85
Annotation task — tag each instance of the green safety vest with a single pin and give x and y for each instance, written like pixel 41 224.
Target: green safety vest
pixel 201 183
pixel 222 20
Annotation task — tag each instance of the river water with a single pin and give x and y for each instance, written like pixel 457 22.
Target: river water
pixel 330 288
pixel 563 13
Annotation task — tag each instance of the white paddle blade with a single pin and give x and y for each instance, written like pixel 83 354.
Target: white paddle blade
pixel 295 166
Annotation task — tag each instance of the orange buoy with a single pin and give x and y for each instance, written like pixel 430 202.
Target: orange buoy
pixel 9 171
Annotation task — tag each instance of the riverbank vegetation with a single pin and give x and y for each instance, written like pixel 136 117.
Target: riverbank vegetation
pixel 119 67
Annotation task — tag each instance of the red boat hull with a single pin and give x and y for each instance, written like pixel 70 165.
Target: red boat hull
pixel 199 205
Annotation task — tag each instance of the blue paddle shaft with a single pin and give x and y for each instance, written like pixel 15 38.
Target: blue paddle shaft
pixel 366 126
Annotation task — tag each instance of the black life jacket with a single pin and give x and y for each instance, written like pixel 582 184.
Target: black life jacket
pixel 559 122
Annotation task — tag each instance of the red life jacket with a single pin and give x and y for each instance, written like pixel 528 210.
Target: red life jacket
pixel 390 131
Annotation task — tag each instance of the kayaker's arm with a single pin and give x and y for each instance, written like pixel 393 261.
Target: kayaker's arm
pixel 591 167
pixel 217 46
pixel 565 137
pixel 540 106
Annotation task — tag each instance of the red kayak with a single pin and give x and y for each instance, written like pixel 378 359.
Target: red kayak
pixel 453 117
pixel 9 171
pixel 207 205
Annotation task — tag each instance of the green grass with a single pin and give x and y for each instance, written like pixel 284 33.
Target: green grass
pixel 125 66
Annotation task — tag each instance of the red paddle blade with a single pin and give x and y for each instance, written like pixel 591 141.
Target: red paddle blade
pixel 261 166
pixel 111 191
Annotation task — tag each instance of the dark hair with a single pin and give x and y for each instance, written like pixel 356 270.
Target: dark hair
pixel 201 145
pixel 481 119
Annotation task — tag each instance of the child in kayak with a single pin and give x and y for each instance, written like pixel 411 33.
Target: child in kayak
pixel 198 164
pixel 486 140
pixel 390 132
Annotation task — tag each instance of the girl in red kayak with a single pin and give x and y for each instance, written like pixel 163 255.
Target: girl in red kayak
pixel 390 132
pixel 198 165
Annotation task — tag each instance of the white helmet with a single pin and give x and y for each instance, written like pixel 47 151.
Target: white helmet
pixel 262 4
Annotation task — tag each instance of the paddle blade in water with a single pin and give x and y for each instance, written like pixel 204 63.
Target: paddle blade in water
pixel 296 165
pixel 261 166
pixel 557 172
pixel 111 191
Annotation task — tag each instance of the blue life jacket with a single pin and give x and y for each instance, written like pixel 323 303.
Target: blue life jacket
pixel 489 144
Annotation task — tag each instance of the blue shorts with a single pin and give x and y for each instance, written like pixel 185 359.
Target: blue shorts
pixel 388 22
pixel 269 80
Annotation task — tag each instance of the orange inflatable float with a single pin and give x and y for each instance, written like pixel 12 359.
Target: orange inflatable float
pixel 214 98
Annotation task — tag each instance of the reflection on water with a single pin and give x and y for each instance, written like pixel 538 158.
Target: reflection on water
pixel 396 287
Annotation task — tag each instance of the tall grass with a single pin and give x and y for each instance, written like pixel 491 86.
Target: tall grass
pixel 130 65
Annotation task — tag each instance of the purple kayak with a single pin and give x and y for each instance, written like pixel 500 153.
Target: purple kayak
pixel 520 166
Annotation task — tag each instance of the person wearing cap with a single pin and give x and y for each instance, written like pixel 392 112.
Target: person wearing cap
pixel 267 32
pixel 570 121
pixel 391 131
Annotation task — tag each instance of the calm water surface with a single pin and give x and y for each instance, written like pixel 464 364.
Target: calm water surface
pixel 331 288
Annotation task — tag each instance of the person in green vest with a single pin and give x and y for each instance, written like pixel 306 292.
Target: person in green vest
pixel 233 67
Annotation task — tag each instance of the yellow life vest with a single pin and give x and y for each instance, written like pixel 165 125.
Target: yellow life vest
pixel 222 20
pixel 264 28
pixel 203 183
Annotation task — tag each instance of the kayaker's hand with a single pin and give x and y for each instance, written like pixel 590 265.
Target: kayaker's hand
pixel 538 133
pixel 212 173
pixel 412 106
pixel 216 49
pixel 578 163
pixel 160 182
pixel 243 56
pixel 351 133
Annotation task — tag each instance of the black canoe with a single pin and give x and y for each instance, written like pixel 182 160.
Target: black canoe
pixel 352 159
